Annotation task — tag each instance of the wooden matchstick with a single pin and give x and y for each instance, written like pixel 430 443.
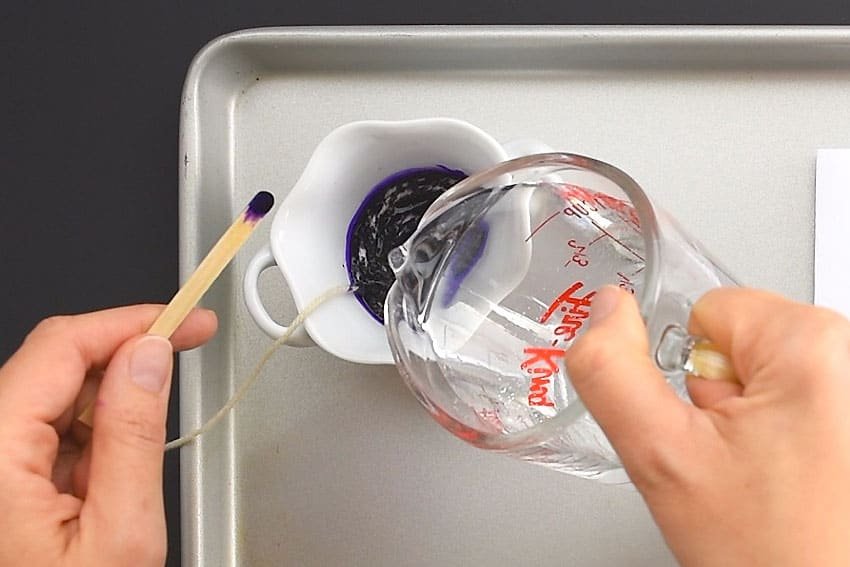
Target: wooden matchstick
pixel 211 267
pixel 188 296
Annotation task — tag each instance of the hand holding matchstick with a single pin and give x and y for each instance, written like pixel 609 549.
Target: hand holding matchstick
pixel 206 273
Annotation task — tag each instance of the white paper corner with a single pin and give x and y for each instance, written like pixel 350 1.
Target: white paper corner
pixel 832 230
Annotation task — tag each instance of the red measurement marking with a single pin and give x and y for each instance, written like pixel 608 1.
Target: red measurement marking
pixel 542 224
pixel 583 201
pixel 626 283
pixel 580 257
pixel 570 191
pixel 580 209
pixel 617 240
pixel 541 363
pixel 589 244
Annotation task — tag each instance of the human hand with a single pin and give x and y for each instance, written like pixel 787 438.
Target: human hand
pixel 76 496
pixel 753 473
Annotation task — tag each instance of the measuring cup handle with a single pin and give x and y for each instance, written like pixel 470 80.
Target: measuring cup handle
pixel 679 351
pixel 261 261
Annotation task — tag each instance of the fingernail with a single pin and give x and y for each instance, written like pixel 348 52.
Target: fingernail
pixel 150 362
pixel 208 313
pixel 603 303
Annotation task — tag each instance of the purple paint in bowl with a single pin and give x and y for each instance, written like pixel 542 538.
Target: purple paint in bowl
pixel 385 219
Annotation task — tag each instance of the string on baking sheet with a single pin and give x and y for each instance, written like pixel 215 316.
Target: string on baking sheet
pixel 255 373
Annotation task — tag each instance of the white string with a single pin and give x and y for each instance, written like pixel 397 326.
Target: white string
pixel 243 388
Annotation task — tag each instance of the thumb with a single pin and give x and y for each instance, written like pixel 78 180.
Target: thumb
pixel 128 436
pixel 610 368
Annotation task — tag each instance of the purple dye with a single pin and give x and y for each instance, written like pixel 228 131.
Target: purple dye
pixel 261 204
pixel 386 218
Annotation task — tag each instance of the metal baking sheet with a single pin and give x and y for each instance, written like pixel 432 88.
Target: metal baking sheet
pixel 331 463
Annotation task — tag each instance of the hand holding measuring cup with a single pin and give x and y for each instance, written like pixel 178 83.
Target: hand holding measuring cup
pixel 498 282
pixel 751 473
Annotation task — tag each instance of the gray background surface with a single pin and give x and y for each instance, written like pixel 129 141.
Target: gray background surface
pixel 89 146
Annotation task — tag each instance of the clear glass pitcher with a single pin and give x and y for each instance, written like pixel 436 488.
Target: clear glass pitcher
pixel 498 282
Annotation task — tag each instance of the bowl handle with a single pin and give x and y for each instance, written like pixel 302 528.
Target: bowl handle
pixel 261 261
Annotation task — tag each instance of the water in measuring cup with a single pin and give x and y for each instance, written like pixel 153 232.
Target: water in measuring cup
pixel 514 291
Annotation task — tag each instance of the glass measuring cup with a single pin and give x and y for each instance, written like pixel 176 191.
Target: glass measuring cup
pixel 497 283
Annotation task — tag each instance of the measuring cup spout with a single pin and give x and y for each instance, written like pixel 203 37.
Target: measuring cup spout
pixel 396 258
pixel 409 287
pixel 420 262
pixel 417 264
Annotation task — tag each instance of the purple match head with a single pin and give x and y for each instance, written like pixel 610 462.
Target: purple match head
pixel 259 206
